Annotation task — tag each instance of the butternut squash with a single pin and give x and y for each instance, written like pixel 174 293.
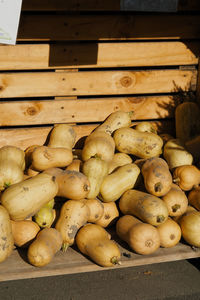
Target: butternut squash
pixel 71 184
pixel 141 237
pixel 6 237
pixel 42 250
pixel 14 154
pixel 73 215
pixel 110 215
pixel 157 177
pixel 96 209
pixel 176 155
pixel 176 201
pixel 115 120
pixel 10 173
pixel 140 144
pixel 45 217
pixel 98 144
pixel 94 241
pixel 62 136
pixel 170 233
pixel 116 183
pixel 95 169
pixel 146 126
pixel 25 198
pixel 148 208
pixel 76 165
pixel 187 177
pixel 44 157
pixel 190 227
pixel 119 160
pixel 24 232
pixel 194 198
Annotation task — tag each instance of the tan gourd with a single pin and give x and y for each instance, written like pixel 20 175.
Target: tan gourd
pixel 148 208
pixel 95 169
pixel 10 173
pixel 43 249
pixel 170 233
pixel 146 127
pixel 14 154
pixel 116 183
pixel 176 201
pixel 24 232
pixel 187 177
pixel 190 227
pixel 44 157
pixel 188 210
pixel 176 155
pixel 110 215
pixel 157 177
pixel 73 215
pixel 140 144
pixel 194 198
pixel 96 209
pixel 6 237
pixel 94 241
pixel 119 160
pixel 75 165
pixel 141 237
pixel 187 120
pixel 62 136
pixel 98 144
pixel 114 121
pixel 25 198
pixel 71 184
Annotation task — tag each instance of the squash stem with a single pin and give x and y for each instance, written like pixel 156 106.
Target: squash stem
pixel 160 219
pixel 65 246
pixel 176 180
pixel 115 260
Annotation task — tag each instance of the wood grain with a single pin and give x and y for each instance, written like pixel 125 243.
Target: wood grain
pixel 85 110
pixel 16 266
pixel 44 84
pixel 64 27
pixel 98 55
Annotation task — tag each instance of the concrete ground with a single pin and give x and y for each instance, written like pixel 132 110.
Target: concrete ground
pixel 170 281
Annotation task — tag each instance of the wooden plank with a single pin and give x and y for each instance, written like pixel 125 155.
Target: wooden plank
pixel 98 55
pixel 107 27
pixel 16 266
pixel 92 5
pixel 84 110
pixel 24 137
pixel 44 84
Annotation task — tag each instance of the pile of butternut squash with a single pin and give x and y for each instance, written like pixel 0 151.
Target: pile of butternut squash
pixel 130 178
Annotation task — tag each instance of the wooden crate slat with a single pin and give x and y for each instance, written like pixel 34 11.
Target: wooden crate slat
pixel 91 5
pixel 94 55
pixel 24 137
pixel 71 262
pixel 108 27
pixel 44 84
pixel 85 110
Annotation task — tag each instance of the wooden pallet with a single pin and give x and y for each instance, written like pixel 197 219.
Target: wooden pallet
pixel 76 62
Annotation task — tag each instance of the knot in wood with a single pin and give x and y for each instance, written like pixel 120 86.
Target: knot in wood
pixel 126 81
pixel 32 110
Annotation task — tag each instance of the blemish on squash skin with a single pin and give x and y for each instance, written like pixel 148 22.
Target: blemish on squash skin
pixel 72 231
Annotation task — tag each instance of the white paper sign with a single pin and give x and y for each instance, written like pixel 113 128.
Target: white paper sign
pixel 9 20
